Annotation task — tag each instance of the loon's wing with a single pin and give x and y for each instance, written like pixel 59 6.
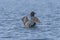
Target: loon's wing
pixel 35 19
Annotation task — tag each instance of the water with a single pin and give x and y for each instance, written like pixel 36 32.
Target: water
pixel 12 28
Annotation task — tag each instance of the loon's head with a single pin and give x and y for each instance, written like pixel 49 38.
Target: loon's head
pixel 32 14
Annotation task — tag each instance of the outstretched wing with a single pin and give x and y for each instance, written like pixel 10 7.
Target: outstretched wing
pixel 35 19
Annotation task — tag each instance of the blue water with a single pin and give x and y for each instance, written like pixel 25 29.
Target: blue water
pixel 12 28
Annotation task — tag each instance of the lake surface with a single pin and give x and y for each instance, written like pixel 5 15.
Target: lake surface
pixel 12 11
